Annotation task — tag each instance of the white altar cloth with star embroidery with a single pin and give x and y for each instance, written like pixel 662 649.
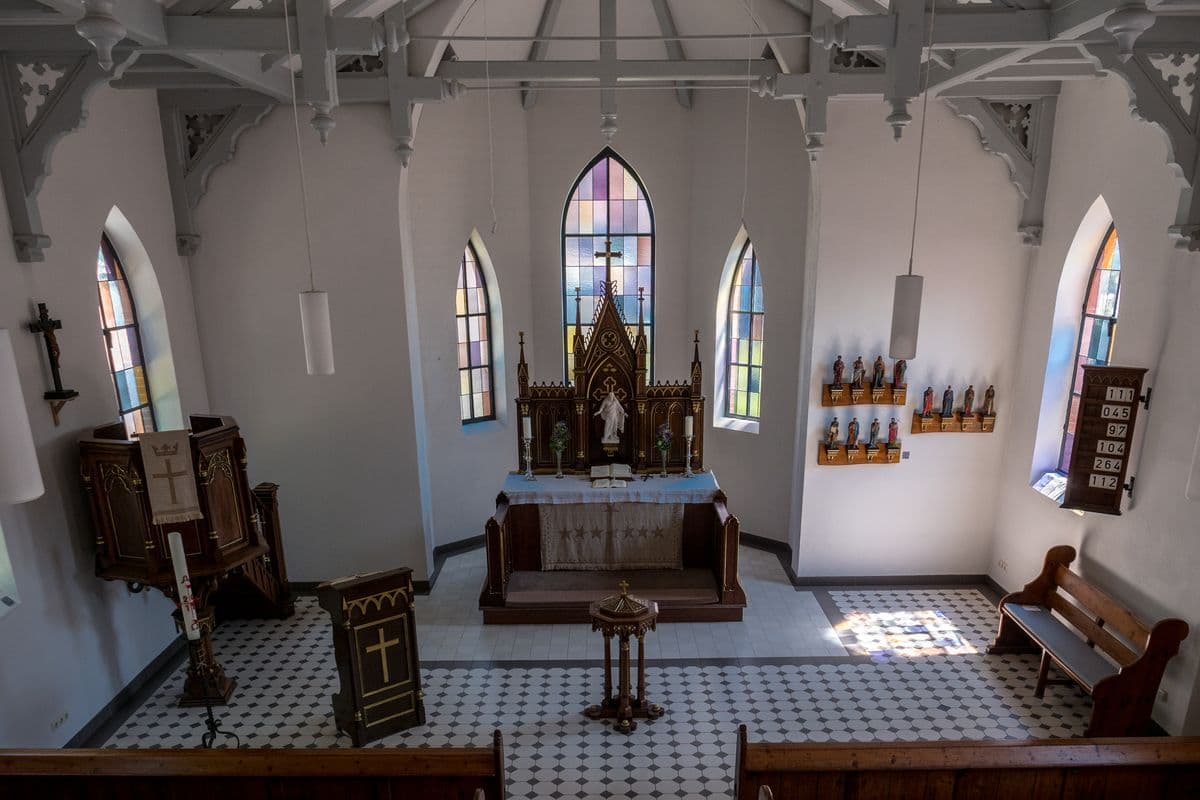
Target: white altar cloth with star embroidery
pixel 638 526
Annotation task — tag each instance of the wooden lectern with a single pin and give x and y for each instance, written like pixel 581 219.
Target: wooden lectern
pixel 234 554
pixel 375 645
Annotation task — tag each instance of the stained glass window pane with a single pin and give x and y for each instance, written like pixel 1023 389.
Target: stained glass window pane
pixel 745 337
pixel 474 323
pixel 608 200
pixel 123 342
pixel 1097 327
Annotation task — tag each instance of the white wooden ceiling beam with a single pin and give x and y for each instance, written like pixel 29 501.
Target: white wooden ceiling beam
pixel 674 47
pixel 622 71
pixel 537 49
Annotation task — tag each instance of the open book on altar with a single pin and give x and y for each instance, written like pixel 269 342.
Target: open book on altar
pixel 611 476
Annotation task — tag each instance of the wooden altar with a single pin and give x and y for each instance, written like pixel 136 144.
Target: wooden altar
pixel 234 554
pixel 701 584
pixel 611 360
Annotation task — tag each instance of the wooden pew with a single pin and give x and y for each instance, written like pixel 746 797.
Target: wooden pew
pixel 438 773
pixel 1051 769
pixel 1099 644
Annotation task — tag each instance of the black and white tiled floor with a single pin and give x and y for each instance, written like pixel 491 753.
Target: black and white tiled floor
pixel 880 665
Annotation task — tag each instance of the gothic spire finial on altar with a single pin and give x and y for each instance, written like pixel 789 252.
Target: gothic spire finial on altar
pixel 696 351
pixel 522 367
pixel 641 311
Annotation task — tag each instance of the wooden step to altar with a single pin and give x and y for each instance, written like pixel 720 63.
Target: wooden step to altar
pixel 563 596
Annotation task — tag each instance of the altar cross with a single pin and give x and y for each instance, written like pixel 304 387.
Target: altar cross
pixel 381 648
pixel 608 255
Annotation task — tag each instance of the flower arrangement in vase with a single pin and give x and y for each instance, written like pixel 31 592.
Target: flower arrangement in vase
pixel 560 437
pixel 662 442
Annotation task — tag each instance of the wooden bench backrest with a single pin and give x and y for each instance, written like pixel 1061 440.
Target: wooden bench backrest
pixel 436 773
pixel 1104 611
pixel 1032 770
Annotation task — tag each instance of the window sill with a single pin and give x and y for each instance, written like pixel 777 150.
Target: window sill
pixel 1052 486
pixel 736 424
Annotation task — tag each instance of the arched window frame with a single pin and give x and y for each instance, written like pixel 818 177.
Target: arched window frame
pixel 470 370
pixel 734 363
pixel 108 257
pixel 1109 252
pixel 568 293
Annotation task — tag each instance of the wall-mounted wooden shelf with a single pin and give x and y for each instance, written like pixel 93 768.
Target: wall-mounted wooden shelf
pixel 971 423
pixel 850 395
pixel 840 455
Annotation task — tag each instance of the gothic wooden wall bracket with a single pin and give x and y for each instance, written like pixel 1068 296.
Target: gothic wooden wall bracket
pixel 41 100
pixel 1020 133
pixel 1164 86
pixel 199 135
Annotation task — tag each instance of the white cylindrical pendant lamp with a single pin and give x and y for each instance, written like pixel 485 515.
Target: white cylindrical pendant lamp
pixel 20 477
pixel 906 316
pixel 318 334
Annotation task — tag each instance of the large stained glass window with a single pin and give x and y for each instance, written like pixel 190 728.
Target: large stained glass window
pixel 123 341
pixel 608 201
pixel 1097 327
pixel 745 325
pixel 474 341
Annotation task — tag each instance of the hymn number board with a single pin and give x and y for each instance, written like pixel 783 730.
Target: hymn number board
pixel 1103 437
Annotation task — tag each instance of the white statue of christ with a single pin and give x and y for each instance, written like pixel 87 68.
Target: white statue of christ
pixel 613 415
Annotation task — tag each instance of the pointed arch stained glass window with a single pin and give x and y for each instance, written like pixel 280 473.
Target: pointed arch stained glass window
pixel 607 201
pixel 473 318
pixel 743 397
pixel 123 341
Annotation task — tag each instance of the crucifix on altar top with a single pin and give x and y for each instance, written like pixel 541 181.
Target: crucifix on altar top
pixel 608 255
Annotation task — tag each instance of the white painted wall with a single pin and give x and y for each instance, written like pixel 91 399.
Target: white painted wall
pixel 934 513
pixel 1148 557
pixel 75 641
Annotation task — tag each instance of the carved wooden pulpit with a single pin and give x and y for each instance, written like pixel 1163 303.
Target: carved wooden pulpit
pixel 234 553
pixel 375 645
pixel 611 360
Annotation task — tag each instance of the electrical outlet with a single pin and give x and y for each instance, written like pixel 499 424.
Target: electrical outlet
pixel 904 455
pixel 58 723
pixel 1003 564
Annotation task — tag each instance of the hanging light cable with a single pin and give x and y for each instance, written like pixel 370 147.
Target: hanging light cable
pixel 314 304
pixel 487 75
pixel 906 302
pixel 746 142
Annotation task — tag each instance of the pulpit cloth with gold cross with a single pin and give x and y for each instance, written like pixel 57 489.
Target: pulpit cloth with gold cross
pixel 170 481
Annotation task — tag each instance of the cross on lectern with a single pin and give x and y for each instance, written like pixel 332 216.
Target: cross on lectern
pixel 608 255
pixel 381 648
pixel 170 475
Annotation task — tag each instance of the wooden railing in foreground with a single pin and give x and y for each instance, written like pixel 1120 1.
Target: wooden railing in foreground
pixel 445 773
pixel 1052 769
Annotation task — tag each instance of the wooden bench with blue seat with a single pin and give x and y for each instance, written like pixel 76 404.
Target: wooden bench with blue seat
pixel 1095 641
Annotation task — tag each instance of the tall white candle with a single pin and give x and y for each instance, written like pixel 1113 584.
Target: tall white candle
pixel 528 425
pixel 687 425
pixel 183 585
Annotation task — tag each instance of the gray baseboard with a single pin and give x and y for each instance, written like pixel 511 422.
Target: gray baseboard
pixel 100 727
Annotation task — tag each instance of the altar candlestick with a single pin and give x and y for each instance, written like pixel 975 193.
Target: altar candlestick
pixel 183 585
pixel 687 426
pixel 527 424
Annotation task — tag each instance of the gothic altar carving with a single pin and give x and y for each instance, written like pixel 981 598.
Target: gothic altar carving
pixel 610 407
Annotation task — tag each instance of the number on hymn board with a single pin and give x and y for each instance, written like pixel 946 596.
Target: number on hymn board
pixel 1102 481
pixel 1104 464
pixel 1119 394
pixel 1111 447
pixel 1116 429
pixel 1114 412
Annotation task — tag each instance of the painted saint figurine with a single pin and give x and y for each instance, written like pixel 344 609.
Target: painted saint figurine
pixel 613 415
pixel 969 400
pixel 893 433
pixel 839 371
pixel 880 371
pixel 927 402
pixel 831 439
pixel 860 372
pixel 899 373
pixel 852 433
pixel 989 401
pixel 873 441
pixel 948 403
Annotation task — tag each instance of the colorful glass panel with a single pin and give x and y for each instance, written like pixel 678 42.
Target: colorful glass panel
pixel 474 324
pixel 608 201
pixel 743 396
pixel 1097 327
pixel 123 341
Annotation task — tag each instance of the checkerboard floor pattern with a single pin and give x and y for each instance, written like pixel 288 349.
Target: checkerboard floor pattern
pixel 286 673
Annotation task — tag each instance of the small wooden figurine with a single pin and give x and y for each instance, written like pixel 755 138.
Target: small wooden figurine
pixel 860 373
pixel 989 401
pixel 839 371
pixel 969 400
pixel 899 373
pixel 873 440
pixel 927 402
pixel 852 433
